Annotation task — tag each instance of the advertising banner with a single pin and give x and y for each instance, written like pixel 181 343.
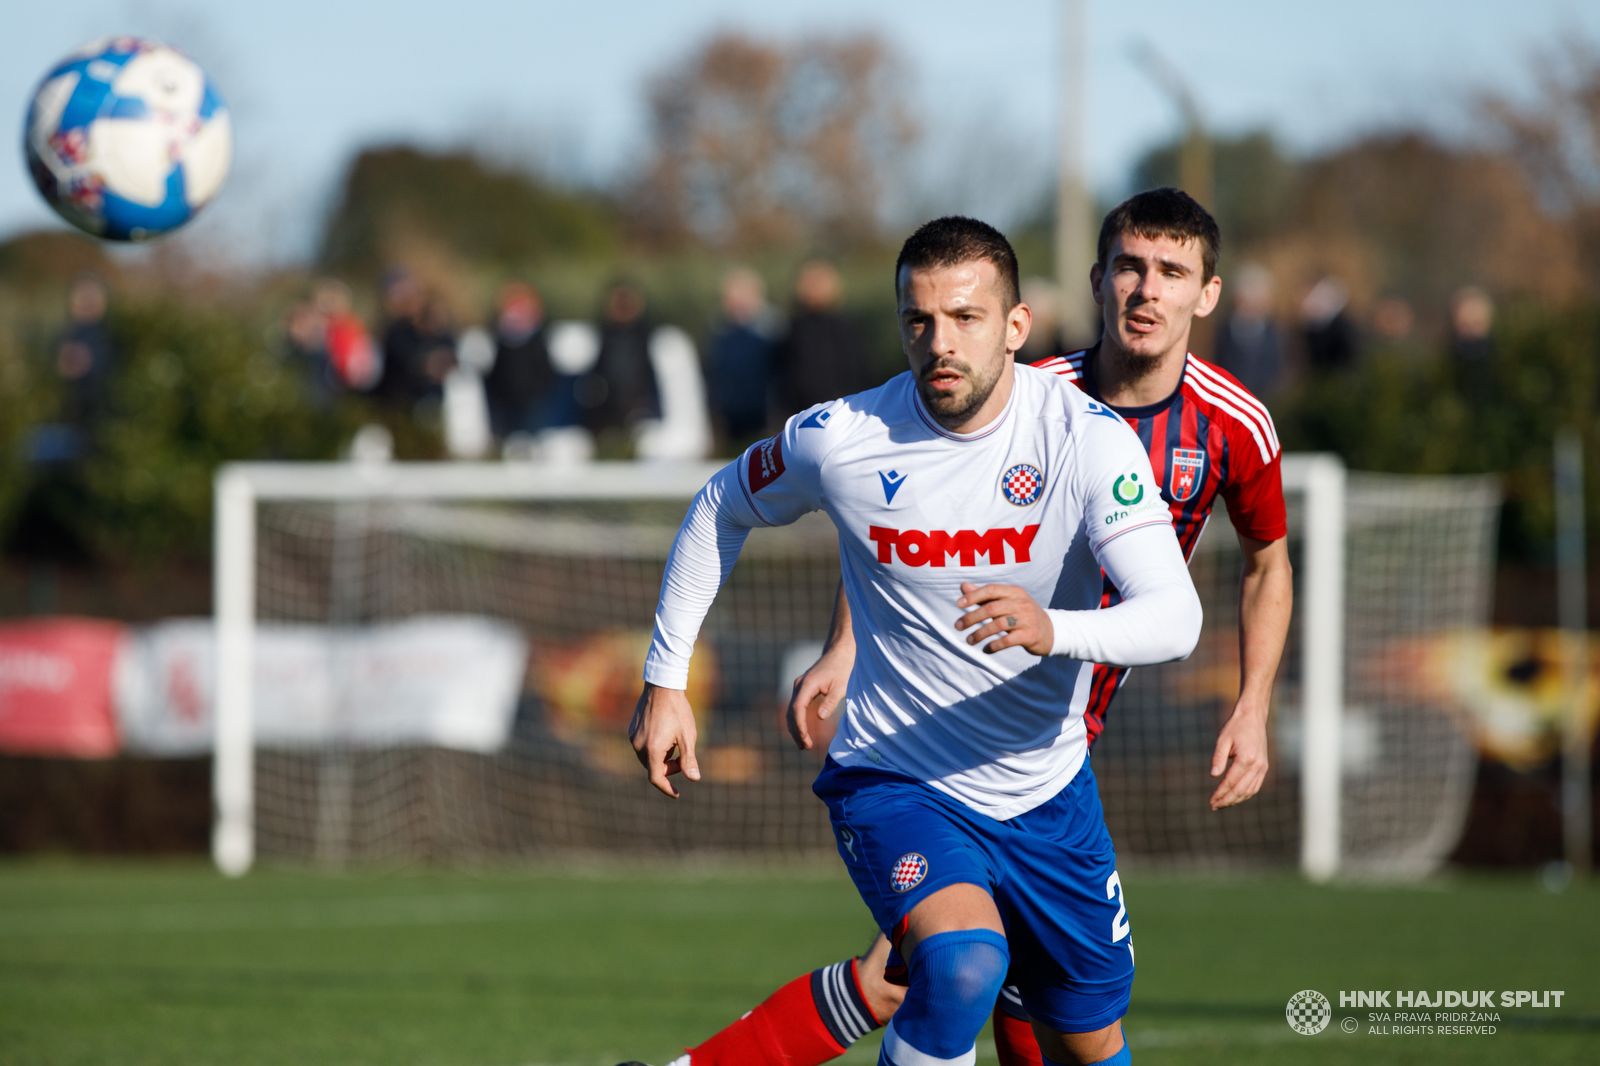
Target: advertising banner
pixel 55 687
pixel 449 681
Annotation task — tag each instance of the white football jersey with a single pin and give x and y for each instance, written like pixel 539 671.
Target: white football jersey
pixel 1030 500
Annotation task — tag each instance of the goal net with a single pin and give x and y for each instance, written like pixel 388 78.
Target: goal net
pixel 431 662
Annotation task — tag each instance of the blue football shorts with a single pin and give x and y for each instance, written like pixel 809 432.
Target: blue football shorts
pixel 1052 872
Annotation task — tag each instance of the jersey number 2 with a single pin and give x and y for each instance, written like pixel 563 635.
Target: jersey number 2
pixel 1119 924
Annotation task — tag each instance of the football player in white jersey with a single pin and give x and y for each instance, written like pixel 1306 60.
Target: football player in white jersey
pixel 977 503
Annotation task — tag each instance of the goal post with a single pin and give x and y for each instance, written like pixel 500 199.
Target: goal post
pixel 240 486
pixel 491 540
pixel 1321 478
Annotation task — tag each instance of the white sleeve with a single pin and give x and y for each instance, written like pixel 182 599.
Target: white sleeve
pixel 707 546
pixel 1158 619
pixel 1130 532
pixel 773 483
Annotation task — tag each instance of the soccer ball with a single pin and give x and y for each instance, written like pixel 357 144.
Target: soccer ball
pixel 127 138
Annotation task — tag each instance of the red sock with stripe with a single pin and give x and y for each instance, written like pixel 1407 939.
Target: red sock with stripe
pixel 1014 1041
pixel 808 1021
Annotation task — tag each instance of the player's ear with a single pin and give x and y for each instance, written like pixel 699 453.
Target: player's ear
pixel 1210 295
pixel 1097 274
pixel 1018 324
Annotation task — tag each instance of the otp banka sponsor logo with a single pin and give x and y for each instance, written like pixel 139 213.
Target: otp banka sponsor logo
pixel 1127 490
pixel 914 547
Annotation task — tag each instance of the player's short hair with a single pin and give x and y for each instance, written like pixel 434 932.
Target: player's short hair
pixel 1164 212
pixel 955 239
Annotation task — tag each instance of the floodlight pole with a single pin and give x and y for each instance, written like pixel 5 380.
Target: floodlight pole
pixel 1074 210
pixel 1573 607
pixel 1195 169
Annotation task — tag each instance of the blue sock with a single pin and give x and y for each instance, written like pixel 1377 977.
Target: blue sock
pixel 1121 1058
pixel 955 978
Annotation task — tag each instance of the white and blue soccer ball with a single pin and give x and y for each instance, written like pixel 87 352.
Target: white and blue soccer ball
pixel 128 138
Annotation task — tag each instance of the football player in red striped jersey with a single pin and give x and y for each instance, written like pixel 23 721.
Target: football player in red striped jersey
pixel 1206 436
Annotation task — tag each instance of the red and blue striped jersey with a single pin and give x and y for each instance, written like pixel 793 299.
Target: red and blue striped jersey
pixel 1209 438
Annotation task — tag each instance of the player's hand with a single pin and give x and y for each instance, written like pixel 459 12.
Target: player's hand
pixel 818 691
pixel 663 736
pixel 1010 612
pixel 1244 739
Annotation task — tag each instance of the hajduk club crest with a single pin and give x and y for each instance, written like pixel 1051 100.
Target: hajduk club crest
pixel 1022 484
pixel 908 872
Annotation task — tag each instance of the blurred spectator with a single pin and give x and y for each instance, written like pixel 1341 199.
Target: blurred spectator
pixel 84 363
pixel 1248 345
pixel 1330 337
pixel 1044 338
pixel 741 357
pixel 330 344
pixel 1471 319
pixel 438 348
pixel 823 356
pixel 45 529
pixel 399 381
pixel 418 346
pixel 520 382
pixel 350 352
pixel 621 389
pixel 1393 319
pixel 308 351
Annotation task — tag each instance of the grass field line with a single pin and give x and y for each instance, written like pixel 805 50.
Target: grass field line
pixel 275 914
pixel 518 903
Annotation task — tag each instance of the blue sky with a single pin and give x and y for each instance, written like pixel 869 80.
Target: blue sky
pixel 310 81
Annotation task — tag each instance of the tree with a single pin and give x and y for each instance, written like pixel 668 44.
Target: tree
pixel 1556 141
pixel 1253 183
pixel 400 195
pixel 1407 214
pixel 757 144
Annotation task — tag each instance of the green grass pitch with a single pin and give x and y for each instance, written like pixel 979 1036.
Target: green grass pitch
pixel 121 963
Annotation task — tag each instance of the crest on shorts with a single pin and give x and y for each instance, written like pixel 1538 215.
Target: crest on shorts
pixel 1022 484
pixel 1188 471
pixel 908 872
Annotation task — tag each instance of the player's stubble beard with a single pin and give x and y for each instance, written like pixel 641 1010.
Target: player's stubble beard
pixel 953 409
pixel 1130 366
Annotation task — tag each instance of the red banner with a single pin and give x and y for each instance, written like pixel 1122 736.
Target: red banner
pixel 55 687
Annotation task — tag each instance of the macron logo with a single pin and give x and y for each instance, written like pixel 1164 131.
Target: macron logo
pixel 917 548
pixel 891 484
pixel 1103 412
